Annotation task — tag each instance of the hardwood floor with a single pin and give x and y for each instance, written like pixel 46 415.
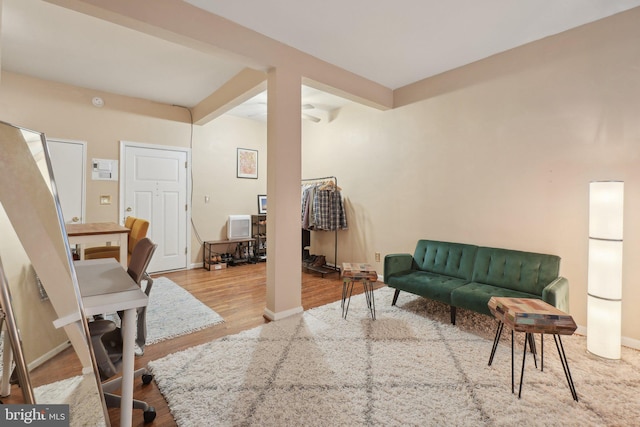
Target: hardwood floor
pixel 238 294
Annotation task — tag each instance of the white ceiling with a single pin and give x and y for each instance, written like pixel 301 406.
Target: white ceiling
pixel 104 56
pixel 392 43
pixel 399 42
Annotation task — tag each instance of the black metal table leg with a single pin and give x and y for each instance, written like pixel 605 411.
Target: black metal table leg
pixel 344 294
pixel 368 291
pixel 512 374
pixel 524 358
pixel 565 366
pixel 532 347
pixel 541 352
pixel 372 300
pixel 347 292
pixel 495 341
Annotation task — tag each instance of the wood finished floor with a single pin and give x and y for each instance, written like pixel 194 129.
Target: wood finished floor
pixel 238 294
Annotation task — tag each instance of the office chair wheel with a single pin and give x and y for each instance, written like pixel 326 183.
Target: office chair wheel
pixel 149 414
pixel 147 378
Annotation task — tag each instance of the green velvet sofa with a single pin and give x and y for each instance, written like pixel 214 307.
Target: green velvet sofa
pixel 467 276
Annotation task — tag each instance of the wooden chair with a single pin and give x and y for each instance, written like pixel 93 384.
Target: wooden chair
pixel 139 228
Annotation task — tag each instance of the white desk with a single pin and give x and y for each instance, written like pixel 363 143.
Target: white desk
pixel 99 232
pixel 106 288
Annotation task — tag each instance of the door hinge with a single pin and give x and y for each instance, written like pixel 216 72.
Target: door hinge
pixel 185 250
pixel 186 207
pixel 185 165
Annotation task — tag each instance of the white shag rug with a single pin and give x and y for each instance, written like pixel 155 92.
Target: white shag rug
pixel 410 367
pixel 173 311
pixel 81 394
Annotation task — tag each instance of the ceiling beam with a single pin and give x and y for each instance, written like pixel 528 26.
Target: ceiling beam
pixel 241 87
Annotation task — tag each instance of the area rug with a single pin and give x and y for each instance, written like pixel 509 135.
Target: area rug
pixel 80 393
pixel 173 311
pixel 410 367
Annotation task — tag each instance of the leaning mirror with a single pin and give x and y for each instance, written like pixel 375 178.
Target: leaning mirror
pixel 54 360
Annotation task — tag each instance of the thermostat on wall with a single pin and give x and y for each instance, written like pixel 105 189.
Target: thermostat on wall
pixel 104 170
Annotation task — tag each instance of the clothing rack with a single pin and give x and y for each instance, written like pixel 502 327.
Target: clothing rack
pixel 327 269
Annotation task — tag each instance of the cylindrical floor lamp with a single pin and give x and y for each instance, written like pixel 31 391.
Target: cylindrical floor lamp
pixel 604 291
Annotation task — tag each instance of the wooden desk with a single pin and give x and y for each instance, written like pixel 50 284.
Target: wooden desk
pixel 107 288
pixel 99 232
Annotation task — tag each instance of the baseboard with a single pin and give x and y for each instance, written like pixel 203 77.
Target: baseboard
pixel 282 314
pixel 48 355
pixel 626 341
pixel 631 343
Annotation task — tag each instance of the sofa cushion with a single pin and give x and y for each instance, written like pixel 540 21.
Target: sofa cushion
pixel 527 272
pixel 429 285
pixel 446 258
pixel 475 296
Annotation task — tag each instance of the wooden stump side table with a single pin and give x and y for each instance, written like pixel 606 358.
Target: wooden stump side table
pixel 532 316
pixel 358 272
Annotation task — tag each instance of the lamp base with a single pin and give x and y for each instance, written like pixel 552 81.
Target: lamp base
pixel 604 327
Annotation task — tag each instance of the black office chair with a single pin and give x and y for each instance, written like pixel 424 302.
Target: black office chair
pixel 106 337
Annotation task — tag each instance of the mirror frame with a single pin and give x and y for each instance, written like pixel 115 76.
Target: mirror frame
pixel 8 316
pixel 79 315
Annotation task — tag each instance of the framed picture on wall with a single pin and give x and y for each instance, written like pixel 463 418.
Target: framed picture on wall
pixel 247 163
pixel 262 203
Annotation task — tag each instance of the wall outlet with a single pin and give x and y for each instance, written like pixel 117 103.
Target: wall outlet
pixel 377 256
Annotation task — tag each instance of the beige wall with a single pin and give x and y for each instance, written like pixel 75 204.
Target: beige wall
pixel 214 175
pixel 497 153
pixel 500 154
pixel 65 112
pixel 33 315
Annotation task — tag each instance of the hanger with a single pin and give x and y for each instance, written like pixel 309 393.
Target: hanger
pixel 329 185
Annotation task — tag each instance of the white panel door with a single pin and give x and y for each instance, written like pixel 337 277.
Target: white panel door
pixel 155 188
pixel 68 161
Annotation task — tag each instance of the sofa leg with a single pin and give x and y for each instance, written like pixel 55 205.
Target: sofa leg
pixel 395 297
pixel 453 315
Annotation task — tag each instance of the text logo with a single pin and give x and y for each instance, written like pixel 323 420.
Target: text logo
pixel 34 415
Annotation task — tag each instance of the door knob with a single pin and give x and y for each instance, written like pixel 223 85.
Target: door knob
pixel 129 209
pixel 75 219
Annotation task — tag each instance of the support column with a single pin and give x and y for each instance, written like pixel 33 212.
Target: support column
pixel 284 155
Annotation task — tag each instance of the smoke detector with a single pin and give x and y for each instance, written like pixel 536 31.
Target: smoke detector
pixel 97 102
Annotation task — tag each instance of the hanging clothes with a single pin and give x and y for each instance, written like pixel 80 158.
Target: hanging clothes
pixel 323 208
pixel 308 193
pixel 328 210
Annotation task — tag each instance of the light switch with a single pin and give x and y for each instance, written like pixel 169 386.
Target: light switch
pixel 105 200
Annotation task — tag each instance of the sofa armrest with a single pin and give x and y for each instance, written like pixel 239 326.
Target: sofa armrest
pixel 556 293
pixel 395 263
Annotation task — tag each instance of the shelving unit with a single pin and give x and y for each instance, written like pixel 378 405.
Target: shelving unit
pixel 243 251
pixel 259 233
